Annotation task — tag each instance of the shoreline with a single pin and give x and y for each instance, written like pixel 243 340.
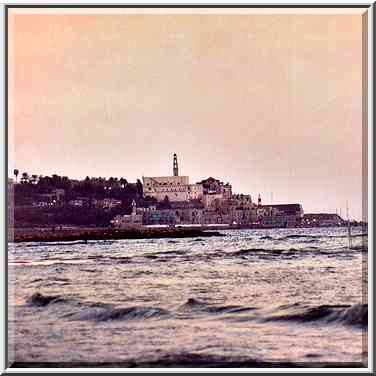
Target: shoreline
pixel 47 234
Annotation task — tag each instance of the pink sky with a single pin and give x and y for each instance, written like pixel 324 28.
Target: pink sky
pixel 268 102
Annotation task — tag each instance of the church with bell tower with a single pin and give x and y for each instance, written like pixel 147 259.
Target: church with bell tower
pixel 175 187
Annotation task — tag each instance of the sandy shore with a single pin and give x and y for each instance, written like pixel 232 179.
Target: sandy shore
pixel 72 234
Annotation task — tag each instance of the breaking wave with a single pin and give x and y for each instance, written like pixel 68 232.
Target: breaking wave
pixel 308 250
pixel 353 315
pixel 311 237
pixel 107 314
pixel 349 315
pixel 267 251
pixel 196 305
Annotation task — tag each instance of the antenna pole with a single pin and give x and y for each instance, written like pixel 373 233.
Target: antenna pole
pixel 348 225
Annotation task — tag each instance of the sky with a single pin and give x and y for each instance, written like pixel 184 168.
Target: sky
pixel 270 101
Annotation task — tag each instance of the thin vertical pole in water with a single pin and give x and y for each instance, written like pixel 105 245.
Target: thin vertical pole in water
pixel 348 226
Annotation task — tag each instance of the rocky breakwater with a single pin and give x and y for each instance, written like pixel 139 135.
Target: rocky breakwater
pixel 85 234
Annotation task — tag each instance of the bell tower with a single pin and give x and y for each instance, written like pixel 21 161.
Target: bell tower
pixel 175 167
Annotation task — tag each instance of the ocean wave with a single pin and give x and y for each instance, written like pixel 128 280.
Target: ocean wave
pixel 356 315
pixel 196 305
pixel 113 313
pixel 346 236
pixel 362 248
pixel 306 251
pixel 312 238
pixel 193 360
pixel 269 251
pixel 267 237
pixel 298 236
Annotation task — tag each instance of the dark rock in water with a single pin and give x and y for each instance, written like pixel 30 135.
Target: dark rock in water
pixel 193 304
pixel 192 301
pixel 40 300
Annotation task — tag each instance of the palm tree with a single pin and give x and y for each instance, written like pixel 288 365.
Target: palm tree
pixel 123 182
pixel 16 172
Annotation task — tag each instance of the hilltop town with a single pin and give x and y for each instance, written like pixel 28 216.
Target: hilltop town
pixel 56 201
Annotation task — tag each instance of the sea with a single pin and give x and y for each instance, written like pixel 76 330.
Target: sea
pixel 250 298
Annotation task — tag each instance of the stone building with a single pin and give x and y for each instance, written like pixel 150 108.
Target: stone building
pixel 322 219
pixel 211 201
pixel 175 187
pixel 243 201
pixel 189 212
pixel 283 215
pixel 214 192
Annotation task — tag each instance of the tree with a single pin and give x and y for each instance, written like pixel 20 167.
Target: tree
pixel 140 188
pixel 34 179
pixel 87 186
pixel 25 178
pixel 56 180
pixel 123 182
pixel 16 172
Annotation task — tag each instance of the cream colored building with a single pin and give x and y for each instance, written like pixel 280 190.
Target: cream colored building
pixel 176 188
pixel 212 199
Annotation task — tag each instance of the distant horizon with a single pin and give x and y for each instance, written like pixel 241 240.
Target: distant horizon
pixel 260 100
